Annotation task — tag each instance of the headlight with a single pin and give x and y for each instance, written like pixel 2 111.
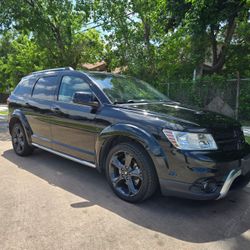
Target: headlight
pixel 190 141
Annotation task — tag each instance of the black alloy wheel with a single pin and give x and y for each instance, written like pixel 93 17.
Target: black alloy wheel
pixel 125 173
pixel 130 172
pixel 19 141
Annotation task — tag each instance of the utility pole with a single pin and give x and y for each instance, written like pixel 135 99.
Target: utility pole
pixel 194 75
pixel 237 96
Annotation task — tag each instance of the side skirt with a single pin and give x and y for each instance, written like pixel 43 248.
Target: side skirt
pixel 86 163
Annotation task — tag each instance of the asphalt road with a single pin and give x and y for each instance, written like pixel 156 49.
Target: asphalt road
pixel 47 202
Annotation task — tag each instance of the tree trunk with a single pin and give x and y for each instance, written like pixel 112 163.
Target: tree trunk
pixel 219 60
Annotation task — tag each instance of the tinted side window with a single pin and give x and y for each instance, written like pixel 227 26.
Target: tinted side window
pixel 45 88
pixel 24 88
pixel 70 85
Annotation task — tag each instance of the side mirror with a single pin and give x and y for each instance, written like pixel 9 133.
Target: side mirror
pixel 85 98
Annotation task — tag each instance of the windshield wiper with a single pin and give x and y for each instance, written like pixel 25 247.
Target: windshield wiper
pixel 137 101
pixel 170 101
pixel 143 101
pixel 149 101
pixel 119 102
pixel 130 101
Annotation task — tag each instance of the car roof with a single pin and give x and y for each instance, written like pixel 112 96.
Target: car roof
pixel 102 73
pixel 70 70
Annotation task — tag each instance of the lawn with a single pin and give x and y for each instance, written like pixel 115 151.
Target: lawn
pixel 3 112
pixel 245 123
pixel 247 139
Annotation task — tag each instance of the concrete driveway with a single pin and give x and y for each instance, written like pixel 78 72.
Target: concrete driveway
pixel 47 202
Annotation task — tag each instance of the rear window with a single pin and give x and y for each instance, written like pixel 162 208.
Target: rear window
pixel 45 88
pixel 24 87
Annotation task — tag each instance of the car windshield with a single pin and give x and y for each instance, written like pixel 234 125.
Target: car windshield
pixel 125 89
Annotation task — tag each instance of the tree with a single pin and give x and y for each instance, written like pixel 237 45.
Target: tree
pixel 143 30
pixel 212 26
pixel 18 57
pixel 38 34
pixel 156 40
pixel 56 26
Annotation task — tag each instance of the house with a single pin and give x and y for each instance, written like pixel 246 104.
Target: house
pixel 102 66
pixel 99 66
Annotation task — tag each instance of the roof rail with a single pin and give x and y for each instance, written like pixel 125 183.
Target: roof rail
pixel 50 70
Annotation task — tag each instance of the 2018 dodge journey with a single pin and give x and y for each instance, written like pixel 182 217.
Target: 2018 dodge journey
pixel 126 129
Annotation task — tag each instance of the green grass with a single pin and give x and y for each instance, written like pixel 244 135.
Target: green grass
pixel 3 112
pixel 247 139
pixel 245 123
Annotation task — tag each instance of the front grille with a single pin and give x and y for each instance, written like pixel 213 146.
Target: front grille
pixel 229 139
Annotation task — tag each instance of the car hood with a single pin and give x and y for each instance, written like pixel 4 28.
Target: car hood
pixel 184 115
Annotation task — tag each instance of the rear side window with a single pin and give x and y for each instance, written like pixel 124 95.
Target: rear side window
pixel 45 88
pixel 70 85
pixel 24 88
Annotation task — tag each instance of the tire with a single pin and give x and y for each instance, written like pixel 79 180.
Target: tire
pixel 19 141
pixel 130 172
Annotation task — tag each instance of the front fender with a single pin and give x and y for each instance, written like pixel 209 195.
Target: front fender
pixel 18 114
pixel 141 136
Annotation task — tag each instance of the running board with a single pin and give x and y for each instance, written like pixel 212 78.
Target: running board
pixel 65 156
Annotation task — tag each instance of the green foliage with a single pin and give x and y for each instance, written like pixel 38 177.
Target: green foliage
pixel 159 40
pixel 247 139
pixel 202 91
pixel 4 112
pixel 156 40
pixel 44 34
pixel 244 102
pixel 239 51
pixel 24 56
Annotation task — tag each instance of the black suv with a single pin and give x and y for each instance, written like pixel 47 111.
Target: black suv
pixel 125 128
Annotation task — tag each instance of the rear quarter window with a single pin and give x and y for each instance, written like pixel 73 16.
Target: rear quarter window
pixel 24 87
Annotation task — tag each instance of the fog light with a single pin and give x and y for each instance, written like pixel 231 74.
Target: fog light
pixel 209 186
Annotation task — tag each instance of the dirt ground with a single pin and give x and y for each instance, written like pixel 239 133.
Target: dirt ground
pixel 47 202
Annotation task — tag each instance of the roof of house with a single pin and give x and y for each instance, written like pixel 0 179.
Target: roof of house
pixel 95 66
pixel 102 66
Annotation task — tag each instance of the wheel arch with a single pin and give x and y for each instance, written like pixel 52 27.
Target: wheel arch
pixel 118 133
pixel 18 116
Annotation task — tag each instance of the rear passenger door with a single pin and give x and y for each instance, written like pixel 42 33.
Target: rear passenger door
pixel 73 125
pixel 39 106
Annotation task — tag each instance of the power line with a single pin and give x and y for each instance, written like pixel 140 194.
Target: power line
pixel 101 24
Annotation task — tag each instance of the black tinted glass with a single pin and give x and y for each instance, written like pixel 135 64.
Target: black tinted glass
pixel 70 85
pixel 45 88
pixel 24 88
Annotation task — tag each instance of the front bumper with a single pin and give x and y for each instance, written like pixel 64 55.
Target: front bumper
pixel 228 182
pixel 205 177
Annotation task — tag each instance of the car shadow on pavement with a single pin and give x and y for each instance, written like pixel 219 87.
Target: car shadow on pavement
pixel 187 220
pixel 4 135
